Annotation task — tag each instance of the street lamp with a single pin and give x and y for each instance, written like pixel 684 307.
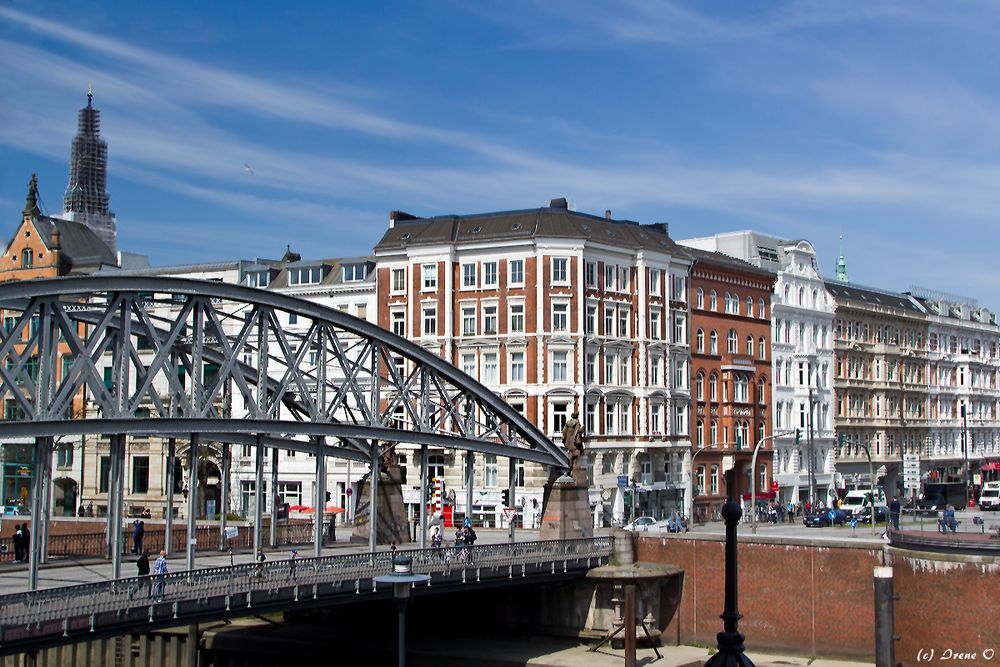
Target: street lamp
pixel 731 649
pixel 691 495
pixel 871 481
pixel 965 452
pixel 402 580
pixel 753 481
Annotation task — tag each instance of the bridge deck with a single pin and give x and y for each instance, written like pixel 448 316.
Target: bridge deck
pixel 72 613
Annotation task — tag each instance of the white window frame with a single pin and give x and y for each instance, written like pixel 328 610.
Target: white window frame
pixel 428 315
pixel 428 277
pixel 515 271
pixel 491 319
pixel 469 275
pixel 490 274
pixel 468 319
pixel 515 319
pixel 560 316
pixel 397 281
pixel 517 367
pixel 560 270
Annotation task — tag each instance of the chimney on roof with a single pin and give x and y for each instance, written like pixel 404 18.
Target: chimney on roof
pixel 559 203
pixel 398 216
pixel 607 214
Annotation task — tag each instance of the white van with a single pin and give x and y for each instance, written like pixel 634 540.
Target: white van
pixel 859 502
pixel 989 497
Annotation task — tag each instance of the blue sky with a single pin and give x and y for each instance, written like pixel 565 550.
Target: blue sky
pixel 875 120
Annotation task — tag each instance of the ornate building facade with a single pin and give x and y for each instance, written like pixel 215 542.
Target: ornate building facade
pixel 731 368
pixel 557 312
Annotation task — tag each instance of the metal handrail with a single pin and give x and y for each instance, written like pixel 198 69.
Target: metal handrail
pixel 122 595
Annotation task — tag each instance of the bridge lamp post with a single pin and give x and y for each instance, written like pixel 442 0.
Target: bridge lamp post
pixel 402 580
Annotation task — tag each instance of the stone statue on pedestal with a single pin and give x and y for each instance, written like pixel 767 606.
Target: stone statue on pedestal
pixel 572 435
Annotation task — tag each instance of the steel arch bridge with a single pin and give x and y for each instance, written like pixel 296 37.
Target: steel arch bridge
pixel 174 357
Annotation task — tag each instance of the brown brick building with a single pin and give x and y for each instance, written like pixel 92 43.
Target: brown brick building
pixel 731 371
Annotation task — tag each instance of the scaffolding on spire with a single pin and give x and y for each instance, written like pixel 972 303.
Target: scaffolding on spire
pixel 86 197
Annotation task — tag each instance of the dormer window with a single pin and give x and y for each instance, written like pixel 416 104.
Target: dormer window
pixel 354 272
pixel 258 278
pixel 307 275
pixel 27 258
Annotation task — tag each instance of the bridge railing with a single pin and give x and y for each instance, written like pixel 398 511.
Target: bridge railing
pixel 94 544
pixel 72 608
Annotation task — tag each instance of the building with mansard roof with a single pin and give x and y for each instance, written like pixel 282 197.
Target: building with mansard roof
pixel 558 312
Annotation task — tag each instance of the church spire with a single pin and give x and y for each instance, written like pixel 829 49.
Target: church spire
pixel 86 197
pixel 31 209
pixel 842 264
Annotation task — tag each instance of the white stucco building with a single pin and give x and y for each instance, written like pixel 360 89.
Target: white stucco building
pixel 802 360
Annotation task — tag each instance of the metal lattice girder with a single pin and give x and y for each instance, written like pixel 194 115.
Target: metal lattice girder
pixel 168 356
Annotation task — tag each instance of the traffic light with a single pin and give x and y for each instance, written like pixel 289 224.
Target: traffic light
pixel 327 496
pixel 798 436
pixel 505 495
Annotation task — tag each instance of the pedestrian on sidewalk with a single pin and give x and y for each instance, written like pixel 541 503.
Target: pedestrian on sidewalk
pixel 142 571
pixel 260 562
pixel 160 572
pixel 18 540
pixel 894 510
pixel 25 542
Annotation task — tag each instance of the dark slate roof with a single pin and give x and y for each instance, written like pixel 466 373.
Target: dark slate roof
pixel 549 222
pixel 728 261
pixel 872 296
pixel 332 276
pixel 79 244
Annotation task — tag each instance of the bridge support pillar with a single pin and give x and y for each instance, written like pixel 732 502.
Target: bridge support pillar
pixel 273 493
pixel 320 502
pixel 46 472
pixel 259 496
pixel 566 511
pixel 511 488
pixel 423 496
pixel 192 508
pixel 116 505
pixel 168 531
pixel 34 549
pixel 224 498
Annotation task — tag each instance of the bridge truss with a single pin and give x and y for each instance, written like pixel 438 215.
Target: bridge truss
pixel 120 356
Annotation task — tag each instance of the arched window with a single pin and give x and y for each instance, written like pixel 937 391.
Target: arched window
pixel 762 348
pixel 733 343
pixel 27 258
pixel 700 338
pixel 760 431
pixel 713 301
pixel 815 299
pixel 713 388
pixel 713 342
pixel 760 309
pixel 736 304
pixel 749 306
pixel 701 434
pixel 750 346
pixel 700 298
pixel 802 295
pixel 699 386
pixel 760 390
pixel 713 433
pixel 743 434
pixel 727 304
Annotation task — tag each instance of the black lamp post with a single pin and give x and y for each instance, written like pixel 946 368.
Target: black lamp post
pixel 402 580
pixel 730 640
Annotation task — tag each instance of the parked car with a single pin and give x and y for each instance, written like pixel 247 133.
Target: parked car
pixel 989 498
pixel 641 524
pixel 828 516
pixel 881 514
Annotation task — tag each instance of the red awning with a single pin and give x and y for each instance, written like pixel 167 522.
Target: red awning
pixel 992 465
pixel 761 495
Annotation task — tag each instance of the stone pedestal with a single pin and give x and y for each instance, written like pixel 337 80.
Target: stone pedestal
pixel 566 512
pixel 392 524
